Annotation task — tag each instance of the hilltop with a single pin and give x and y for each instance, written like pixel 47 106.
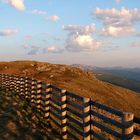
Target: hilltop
pixel 78 81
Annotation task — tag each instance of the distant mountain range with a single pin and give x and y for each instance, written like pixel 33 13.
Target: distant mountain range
pixel 124 77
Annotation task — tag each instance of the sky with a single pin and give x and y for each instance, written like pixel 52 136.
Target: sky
pixel 101 33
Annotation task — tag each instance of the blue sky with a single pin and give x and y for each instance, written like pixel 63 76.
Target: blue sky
pixel 92 32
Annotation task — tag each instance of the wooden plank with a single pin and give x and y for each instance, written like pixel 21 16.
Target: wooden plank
pixel 73 95
pixel 74 105
pixel 74 121
pixel 55 108
pixel 75 129
pixel 106 119
pixel 55 95
pixel 74 112
pixel 100 137
pixel 107 108
pixel 136 120
pixel 55 88
pixel 55 102
pixel 106 129
pixel 52 119
pixel 72 135
pixel 55 114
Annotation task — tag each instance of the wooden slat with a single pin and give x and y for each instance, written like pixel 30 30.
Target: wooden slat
pixel 55 95
pixel 73 95
pixel 55 115
pixel 52 119
pixel 136 120
pixel 106 119
pixel 74 112
pixel 55 108
pixel 106 108
pixel 80 107
pixel 75 129
pixel 55 88
pixel 97 135
pixel 55 102
pixel 106 129
pixel 72 135
pixel 75 121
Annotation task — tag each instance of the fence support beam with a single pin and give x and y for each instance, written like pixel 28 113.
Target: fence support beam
pixel 86 119
pixel 63 115
pixel 127 131
pixel 47 102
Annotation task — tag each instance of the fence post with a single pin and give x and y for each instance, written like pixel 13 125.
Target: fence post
pixel 63 115
pixel 17 85
pixel 7 81
pixel 39 95
pixel 3 81
pixel 86 119
pixel 0 79
pixel 47 102
pixel 10 81
pixel 27 88
pixel 22 86
pixel 128 127
pixel 33 91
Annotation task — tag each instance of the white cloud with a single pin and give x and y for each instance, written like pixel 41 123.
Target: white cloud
pixel 80 38
pixel 77 43
pixel 117 31
pixel 40 12
pixel 116 21
pixel 116 17
pixel 8 32
pixel 34 50
pixel 54 49
pixel 54 18
pixel 18 4
pixel 88 29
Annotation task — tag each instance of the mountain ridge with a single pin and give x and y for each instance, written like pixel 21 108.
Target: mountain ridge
pixel 76 80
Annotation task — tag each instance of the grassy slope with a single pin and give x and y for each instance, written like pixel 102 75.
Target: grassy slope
pixel 78 81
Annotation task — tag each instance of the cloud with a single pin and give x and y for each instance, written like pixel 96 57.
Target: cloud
pixel 115 21
pixel 52 49
pixel 28 37
pixel 135 44
pixel 118 1
pixel 39 12
pixel 26 46
pixel 17 4
pixel 77 43
pixel 33 50
pixel 80 38
pixel 8 32
pixel 117 31
pixel 88 29
pixel 53 18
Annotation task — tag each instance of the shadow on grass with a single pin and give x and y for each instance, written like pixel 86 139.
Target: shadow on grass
pixel 18 121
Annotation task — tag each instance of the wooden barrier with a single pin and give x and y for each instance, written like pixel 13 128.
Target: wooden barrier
pixel 137 127
pixel 73 116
